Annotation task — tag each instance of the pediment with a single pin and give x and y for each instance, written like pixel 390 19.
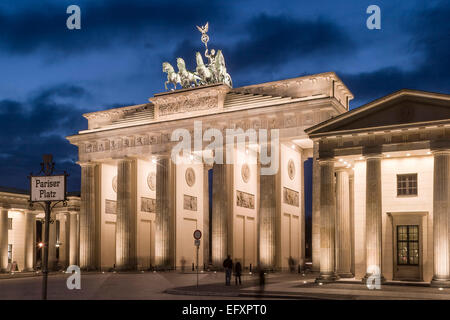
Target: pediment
pixel 401 108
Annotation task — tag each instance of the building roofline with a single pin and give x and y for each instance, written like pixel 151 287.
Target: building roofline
pixel 375 103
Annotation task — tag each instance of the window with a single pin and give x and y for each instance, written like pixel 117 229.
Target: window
pixel 407 184
pixel 9 223
pixel 408 245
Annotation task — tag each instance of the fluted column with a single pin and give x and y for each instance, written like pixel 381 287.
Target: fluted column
pixel 30 236
pixel 126 216
pixel 165 202
pixel 343 244
pixel 327 221
pixel 64 241
pixel 267 216
pixel 3 239
pixel 73 238
pixel 315 246
pixel 52 261
pixel 441 215
pixel 352 222
pixel 206 229
pixel 373 215
pixel 220 210
pixel 88 240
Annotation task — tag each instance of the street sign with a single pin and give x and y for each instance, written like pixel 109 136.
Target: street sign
pixel 48 188
pixel 197 242
pixel 197 234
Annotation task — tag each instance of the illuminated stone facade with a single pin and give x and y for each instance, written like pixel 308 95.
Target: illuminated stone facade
pixel 22 231
pixel 139 208
pixel 395 153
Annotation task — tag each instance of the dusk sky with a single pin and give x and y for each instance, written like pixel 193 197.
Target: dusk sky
pixel 52 75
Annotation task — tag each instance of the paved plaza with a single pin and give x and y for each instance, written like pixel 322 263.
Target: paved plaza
pixel 182 286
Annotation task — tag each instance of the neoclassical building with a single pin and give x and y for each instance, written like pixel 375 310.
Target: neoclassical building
pixel 384 203
pixel 22 232
pixel 140 206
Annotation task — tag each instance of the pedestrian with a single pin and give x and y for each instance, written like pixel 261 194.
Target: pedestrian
pixel 228 265
pixel 262 280
pixel 238 272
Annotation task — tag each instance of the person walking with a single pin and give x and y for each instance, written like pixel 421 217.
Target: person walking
pixel 228 265
pixel 238 272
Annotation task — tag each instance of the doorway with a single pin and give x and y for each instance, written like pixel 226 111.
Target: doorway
pixel 408 242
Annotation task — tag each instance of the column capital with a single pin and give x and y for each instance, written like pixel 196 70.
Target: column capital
pixel 86 163
pixel 372 152
pixel 325 161
pixel 440 146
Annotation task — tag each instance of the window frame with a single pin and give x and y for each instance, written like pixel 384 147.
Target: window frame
pixel 409 185
pixel 408 241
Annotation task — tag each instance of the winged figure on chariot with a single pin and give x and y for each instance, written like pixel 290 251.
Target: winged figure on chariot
pixel 213 72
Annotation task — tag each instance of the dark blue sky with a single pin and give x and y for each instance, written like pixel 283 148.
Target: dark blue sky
pixel 51 75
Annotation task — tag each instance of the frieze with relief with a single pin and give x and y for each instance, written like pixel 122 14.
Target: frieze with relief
pixel 245 172
pixel 151 181
pixel 190 177
pixel 245 200
pixel 114 184
pixel 291 197
pixel 188 104
pixel 190 203
pixel 148 205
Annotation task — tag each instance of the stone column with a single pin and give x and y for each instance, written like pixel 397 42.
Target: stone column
pixel 64 241
pixel 441 215
pixel 315 245
pixel 267 216
pixel 302 260
pixel 73 238
pixel 88 239
pixel 206 221
pixel 220 212
pixel 30 236
pixel 352 221
pixel 3 239
pixel 343 244
pixel 52 261
pixel 327 221
pixel 126 216
pixel 373 215
pixel 165 203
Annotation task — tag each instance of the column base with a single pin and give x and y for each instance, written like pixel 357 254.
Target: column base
pixel 440 283
pixel 327 278
pixel 28 270
pixel 367 275
pixel 345 275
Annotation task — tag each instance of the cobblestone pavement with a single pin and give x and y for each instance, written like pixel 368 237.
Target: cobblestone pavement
pixel 175 286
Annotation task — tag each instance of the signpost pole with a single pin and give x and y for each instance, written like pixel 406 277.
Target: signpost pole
pixel 197 264
pixel 47 189
pixel 46 248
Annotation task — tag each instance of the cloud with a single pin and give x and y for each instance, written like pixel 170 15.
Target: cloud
pixel 271 41
pixel 430 33
pixel 103 23
pixel 267 42
pixel 38 126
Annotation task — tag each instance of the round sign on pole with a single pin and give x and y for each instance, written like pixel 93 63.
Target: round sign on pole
pixel 197 234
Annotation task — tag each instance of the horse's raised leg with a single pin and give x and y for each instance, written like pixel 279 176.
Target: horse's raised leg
pixel 165 84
